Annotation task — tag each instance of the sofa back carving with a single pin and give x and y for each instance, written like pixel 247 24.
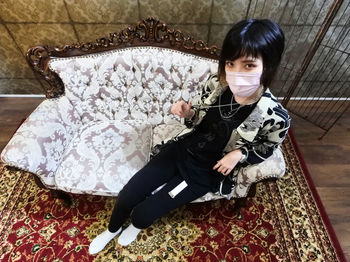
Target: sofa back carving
pixel 148 32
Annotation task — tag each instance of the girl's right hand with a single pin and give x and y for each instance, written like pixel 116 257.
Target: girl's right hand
pixel 182 109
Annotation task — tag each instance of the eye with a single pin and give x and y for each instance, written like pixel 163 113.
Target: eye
pixel 229 63
pixel 250 66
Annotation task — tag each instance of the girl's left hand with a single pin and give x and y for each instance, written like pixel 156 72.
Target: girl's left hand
pixel 228 162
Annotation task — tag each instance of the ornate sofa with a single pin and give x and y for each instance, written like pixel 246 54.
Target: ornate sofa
pixel 108 103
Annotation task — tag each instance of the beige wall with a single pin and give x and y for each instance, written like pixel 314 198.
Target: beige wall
pixel 27 23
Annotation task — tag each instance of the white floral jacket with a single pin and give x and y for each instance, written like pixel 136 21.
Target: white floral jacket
pixel 259 134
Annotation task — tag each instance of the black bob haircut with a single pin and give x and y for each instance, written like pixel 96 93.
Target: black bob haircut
pixel 254 37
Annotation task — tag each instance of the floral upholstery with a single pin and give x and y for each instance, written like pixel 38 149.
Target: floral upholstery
pixel 116 105
pixel 39 143
pixel 104 155
pixel 132 83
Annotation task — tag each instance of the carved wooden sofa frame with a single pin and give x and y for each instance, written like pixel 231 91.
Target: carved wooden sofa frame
pixel 148 32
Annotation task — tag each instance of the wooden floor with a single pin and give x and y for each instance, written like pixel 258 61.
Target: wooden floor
pixel 328 160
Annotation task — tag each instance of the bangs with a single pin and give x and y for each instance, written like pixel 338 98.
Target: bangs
pixel 236 50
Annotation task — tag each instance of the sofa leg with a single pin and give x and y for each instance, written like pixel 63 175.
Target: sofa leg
pixel 67 200
pixel 242 202
pixel 239 203
pixel 38 182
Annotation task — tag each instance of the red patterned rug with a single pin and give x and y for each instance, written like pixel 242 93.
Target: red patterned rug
pixel 285 221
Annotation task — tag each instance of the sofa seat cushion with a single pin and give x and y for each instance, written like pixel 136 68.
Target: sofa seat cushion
pixel 103 156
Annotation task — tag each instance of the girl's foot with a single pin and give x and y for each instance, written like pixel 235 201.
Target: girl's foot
pixel 128 235
pixel 101 241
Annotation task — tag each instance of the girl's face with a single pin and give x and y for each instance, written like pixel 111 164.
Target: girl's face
pixel 245 64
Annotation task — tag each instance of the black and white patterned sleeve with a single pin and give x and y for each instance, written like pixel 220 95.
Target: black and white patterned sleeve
pixel 269 137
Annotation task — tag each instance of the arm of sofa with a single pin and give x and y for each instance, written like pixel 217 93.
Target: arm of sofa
pixel 273 167
pixel 39 143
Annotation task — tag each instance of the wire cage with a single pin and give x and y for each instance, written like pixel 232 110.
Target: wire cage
pixel 313 78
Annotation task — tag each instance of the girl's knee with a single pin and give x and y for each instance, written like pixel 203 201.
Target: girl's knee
pixel 124 200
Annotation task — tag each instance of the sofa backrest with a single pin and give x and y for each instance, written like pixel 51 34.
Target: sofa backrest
pixel 132 82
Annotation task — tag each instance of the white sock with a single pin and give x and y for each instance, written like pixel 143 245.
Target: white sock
pixel 128 235
pixel 101 241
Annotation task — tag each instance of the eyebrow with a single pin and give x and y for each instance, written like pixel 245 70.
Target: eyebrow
pixel 249 60
pixel 244 61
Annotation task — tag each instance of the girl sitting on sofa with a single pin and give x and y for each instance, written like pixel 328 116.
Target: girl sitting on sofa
pixel 238 123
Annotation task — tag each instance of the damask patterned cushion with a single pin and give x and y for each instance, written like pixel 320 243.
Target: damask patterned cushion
pixel 132 83
pixel 104 155
pixel 39 143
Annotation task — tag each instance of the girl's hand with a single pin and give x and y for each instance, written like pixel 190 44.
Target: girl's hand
pixel 182 109
pixel 228 162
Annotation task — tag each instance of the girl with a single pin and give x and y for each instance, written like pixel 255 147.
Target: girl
pixel 238 123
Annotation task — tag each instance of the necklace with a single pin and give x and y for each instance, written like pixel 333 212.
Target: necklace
pixel 235 107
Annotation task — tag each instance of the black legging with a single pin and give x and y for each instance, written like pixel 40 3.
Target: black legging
pixel 136 199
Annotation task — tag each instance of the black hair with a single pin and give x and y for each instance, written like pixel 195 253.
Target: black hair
pixel 254 37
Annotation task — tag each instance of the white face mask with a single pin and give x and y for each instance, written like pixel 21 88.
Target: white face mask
pixel 243 84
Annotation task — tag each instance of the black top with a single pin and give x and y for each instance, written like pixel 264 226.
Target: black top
pixel 204 147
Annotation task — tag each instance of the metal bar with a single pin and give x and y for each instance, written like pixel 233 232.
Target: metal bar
pixel 278 8
pixel 297 114
pixel 318 76
pixel 246 14
pixel 330 37
pixel 256 3
pixel 290 38
pixel 316 119
pixel 288 41
pixel 326 59
pixel 324 88
pixel 298 90
pixel 284 10
pixel 327 123
pixel 331 107
pixel 335 121
pixel 307 90
pixel 262 9
pixel 330 47
pixel 314 46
